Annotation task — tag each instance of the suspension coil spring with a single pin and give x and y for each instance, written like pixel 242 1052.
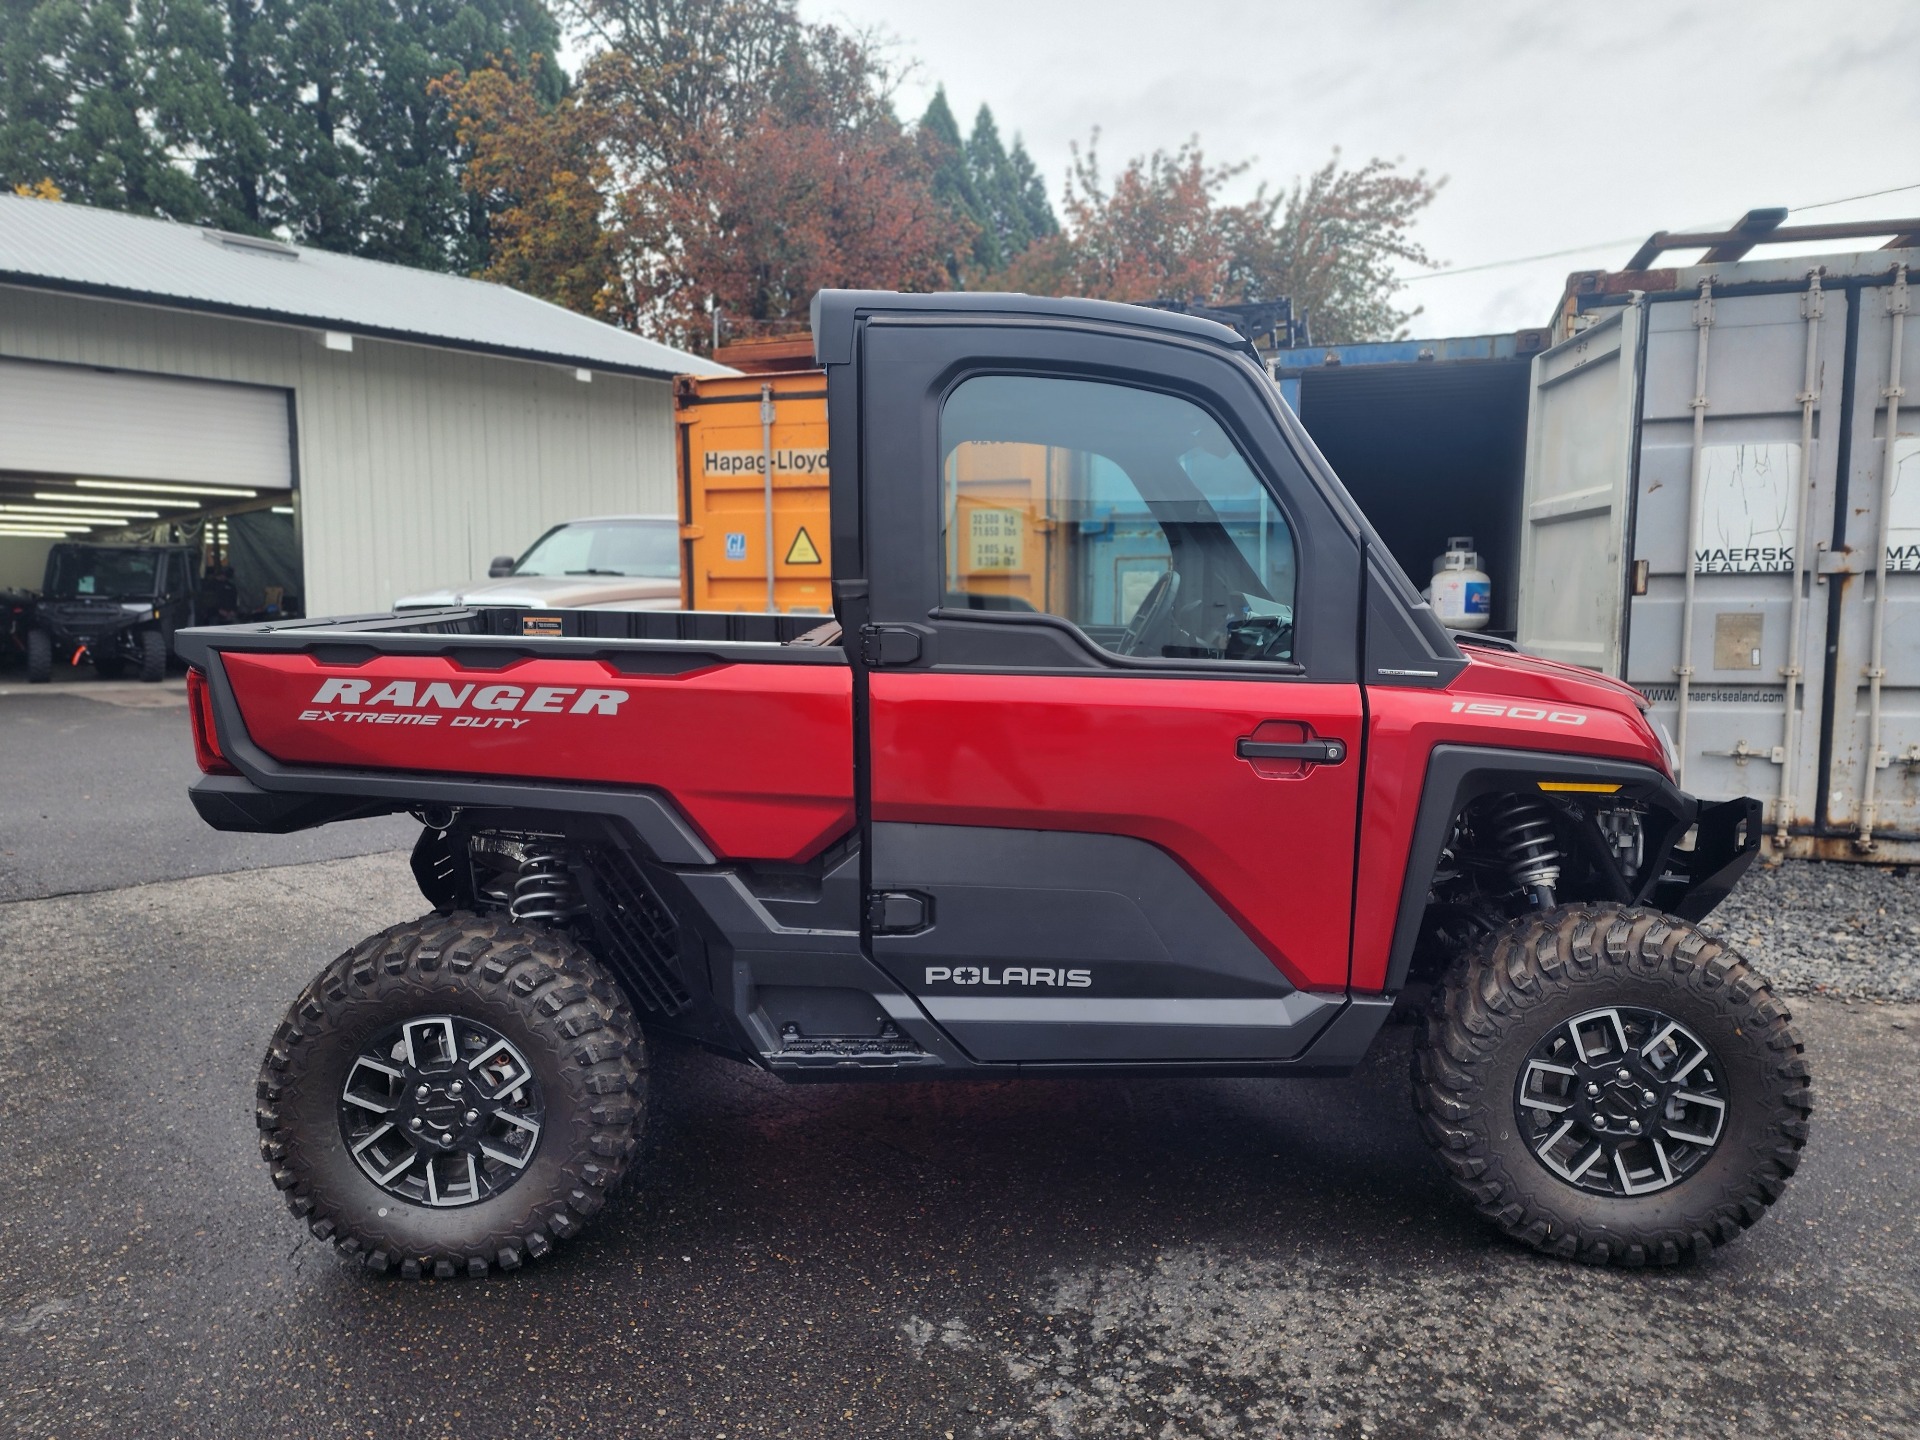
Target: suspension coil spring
pixel 545 888
pixel 1523 836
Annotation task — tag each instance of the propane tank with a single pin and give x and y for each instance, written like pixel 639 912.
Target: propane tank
pixel 1462 593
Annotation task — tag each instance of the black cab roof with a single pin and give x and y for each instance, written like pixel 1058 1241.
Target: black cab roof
pixel 835 313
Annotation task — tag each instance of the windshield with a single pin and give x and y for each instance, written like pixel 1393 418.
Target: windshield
pixel 78 571
pixel 648 549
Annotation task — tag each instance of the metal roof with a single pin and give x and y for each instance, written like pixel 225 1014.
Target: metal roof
pixel 51 245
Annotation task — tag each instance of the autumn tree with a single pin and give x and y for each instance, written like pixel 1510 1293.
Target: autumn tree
pixel 1162 229
pixel 733 158
pixel 537 171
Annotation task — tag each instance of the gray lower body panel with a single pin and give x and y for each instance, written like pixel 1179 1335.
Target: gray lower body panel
pixel 1021 1029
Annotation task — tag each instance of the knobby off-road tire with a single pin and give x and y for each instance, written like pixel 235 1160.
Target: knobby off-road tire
pixel 1521 990
pixel 39 657
pixel 153 656
pixel 528 986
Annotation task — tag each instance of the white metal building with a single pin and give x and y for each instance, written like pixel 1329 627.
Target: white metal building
pixel 406 426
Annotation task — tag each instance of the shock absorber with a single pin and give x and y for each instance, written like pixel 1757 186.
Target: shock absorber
pixel 545 888
pixel 1522 833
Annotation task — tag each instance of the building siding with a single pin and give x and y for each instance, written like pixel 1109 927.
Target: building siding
pixel 415 465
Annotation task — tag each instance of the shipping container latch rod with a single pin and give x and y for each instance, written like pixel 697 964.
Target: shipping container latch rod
pixel 1876 667
pixel 766 459
pixel 1703 327
pixel 1812 306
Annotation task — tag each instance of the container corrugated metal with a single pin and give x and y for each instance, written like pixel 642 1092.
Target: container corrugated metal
pixel 1723 506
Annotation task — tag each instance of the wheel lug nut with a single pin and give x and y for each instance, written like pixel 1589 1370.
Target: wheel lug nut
pixel 1593 1090
pixel 1648 1096
pixel 472 1115
pixel 420 1092
pixel 454 1089
pixel 1624 1075
pixel 1599 1122
pixel 1634 1126
pixel 417 1122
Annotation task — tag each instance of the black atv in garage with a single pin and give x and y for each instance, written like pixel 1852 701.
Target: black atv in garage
pixel 116 605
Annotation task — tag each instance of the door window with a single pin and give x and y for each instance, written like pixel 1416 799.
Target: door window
pixel 1128 512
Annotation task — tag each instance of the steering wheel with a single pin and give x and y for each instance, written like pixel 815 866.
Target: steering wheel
pixel 1153 613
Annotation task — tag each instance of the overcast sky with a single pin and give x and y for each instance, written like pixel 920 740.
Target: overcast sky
pixel 1557 125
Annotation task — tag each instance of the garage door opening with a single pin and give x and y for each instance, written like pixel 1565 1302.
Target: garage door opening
pixel 119 457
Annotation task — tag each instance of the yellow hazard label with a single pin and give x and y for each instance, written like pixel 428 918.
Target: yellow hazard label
pixel 803 551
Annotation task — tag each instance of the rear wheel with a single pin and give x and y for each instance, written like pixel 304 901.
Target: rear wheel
pixel 452 1095
pixel 153 656
pixel 39 657
pixel 1612 1084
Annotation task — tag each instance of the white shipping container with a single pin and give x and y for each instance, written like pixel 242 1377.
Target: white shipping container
pixel 1721 504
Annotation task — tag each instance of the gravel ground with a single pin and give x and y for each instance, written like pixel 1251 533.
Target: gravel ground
pixel 1851 931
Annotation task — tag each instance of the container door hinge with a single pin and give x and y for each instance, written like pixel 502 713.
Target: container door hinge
pixel 882 645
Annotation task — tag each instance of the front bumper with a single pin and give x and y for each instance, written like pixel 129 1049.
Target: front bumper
pixel 1726 840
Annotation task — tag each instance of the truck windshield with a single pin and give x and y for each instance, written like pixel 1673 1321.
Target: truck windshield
pixel 647 549
pixel 77 571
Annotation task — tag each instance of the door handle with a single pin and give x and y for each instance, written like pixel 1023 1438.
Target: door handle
pixel 1317 752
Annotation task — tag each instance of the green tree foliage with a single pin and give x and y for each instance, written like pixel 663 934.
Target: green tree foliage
pixel 997 194
pixel 311 118
pixel 1013 198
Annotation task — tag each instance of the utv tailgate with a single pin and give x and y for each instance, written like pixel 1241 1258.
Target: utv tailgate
pixel 758 757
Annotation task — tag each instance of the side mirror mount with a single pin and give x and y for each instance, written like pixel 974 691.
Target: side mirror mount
pixel 501 567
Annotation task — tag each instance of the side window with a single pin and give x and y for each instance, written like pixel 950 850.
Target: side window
pixel 1128 512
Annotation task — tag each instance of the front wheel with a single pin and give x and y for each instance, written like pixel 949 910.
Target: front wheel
pixel 39 657
pixel 153 656
pixel 1611 1084
pixel 452 1095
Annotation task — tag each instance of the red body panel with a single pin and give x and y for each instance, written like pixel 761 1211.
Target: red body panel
pixel 1537 703
pixel 1152 758
pixel 758 757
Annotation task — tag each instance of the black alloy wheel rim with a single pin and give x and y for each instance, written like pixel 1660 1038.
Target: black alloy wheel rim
pixel 1621 1101
pixel 440 1111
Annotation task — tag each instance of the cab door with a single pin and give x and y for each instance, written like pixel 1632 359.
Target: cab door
pixel 1113 719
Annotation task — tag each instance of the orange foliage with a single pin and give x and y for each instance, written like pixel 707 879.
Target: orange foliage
pixel 543 180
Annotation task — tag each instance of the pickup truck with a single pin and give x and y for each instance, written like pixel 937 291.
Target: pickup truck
pixel 627 561
pixel 1218 823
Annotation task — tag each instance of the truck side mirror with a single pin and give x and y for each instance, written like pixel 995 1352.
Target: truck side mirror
pixel 501 567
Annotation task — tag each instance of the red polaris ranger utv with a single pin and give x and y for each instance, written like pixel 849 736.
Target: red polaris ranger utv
pixel 1127 750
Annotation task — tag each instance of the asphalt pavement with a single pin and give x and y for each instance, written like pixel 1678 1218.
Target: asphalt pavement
pixel 1167 1259
pixel 93 794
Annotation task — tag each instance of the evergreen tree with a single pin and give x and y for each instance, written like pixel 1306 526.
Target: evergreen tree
pixel 996 193
pixel 34 111
pixel 1030 195
pixel 80 81
pixel 955 189
pixel 311 118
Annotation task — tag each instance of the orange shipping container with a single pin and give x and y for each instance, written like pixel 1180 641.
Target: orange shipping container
pixel 1002 532
pixel 729 427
